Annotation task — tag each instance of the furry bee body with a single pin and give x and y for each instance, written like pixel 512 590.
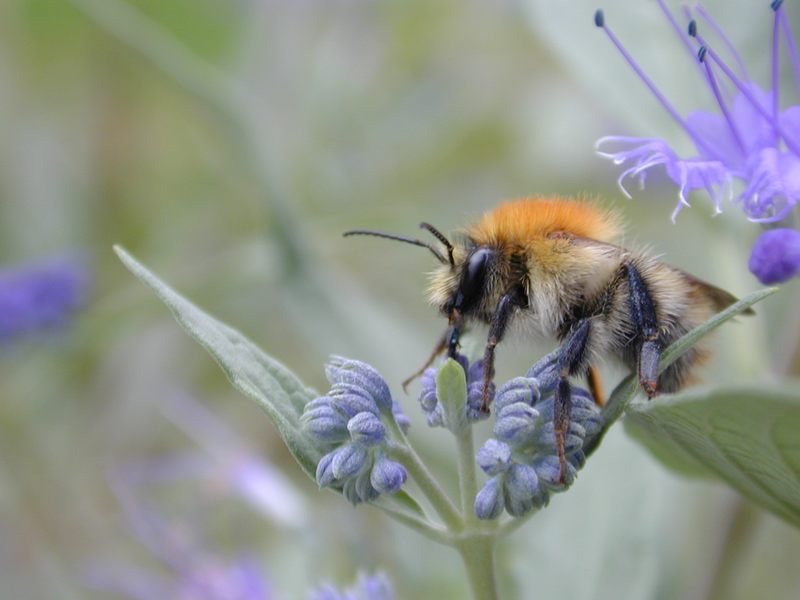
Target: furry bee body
pixel 560 257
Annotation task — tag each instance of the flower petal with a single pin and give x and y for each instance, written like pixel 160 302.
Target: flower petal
pixel 494 457
pixel 489 501
pixel 388 476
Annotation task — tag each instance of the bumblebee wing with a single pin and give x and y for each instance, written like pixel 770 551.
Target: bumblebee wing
pixel 719 297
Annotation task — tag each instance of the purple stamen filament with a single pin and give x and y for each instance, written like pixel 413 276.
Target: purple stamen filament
pixel 794 55
pixel 656 92
pixel 712 81
pixel 749 95
pixel 725 40
pixel 678 29
pixel 775 66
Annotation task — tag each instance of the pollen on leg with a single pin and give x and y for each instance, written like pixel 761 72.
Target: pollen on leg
pixel 596 385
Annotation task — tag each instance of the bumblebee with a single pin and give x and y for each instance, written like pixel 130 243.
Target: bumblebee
pixel 550 266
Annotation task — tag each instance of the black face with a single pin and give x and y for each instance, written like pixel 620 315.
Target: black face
pixel 473 280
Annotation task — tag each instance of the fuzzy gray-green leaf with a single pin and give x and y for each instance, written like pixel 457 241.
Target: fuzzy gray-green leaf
pixel 258 376
pixel 451 389
pixel 748 436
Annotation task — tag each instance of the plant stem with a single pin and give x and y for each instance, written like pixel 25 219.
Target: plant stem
pixel 432 531
pixel 441 502
pixel 477 552
pixel 742 522
pixel 467 482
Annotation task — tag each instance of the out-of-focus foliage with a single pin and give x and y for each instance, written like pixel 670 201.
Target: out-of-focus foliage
pixel 228 144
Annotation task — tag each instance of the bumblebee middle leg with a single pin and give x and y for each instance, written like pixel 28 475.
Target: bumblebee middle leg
pixel 571 361
pixel 497 329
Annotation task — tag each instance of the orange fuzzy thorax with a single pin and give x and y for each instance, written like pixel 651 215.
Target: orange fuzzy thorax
pixel 524 222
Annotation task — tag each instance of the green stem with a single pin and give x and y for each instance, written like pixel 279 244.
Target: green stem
pixel 733 547
pixel 402 451
pixel 432 531
pixel 467 481
pixel 477 552
pixel 510 526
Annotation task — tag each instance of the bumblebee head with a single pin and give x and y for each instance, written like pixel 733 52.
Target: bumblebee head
pixel 467 287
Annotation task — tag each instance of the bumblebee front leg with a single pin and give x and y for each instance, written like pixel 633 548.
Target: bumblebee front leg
pixel 643 313
pixel 497 330
pixel 570 362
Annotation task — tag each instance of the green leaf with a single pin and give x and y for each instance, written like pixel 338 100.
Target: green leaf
pixel 746 435
pixel 451 390
pixel 670 454
pixel 258 376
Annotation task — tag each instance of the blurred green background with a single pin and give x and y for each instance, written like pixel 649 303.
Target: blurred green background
pixel 227 144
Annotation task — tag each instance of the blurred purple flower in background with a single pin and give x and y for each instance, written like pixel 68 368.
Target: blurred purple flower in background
pixel 366 587
pixel 750 142
pixel 235 468
pixel 41 295
pixel 190 571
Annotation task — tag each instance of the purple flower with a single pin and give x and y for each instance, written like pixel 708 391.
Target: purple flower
pixel 367 587
pixel 747 151
pixel 228 463
pixel 776 255
pixel 191 570
pixel 41 295
pixel 349 423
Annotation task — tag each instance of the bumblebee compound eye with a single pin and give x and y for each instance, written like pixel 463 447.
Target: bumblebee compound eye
pixel 473 279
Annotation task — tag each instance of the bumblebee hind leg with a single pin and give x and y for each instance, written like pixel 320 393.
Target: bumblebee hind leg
pixel 643 314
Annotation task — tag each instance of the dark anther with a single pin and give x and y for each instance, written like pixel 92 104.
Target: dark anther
pixel 599 18
pixel 701 54
pixel 776 4
pixel 693 28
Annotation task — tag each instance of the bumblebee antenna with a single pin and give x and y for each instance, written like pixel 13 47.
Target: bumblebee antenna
pixel 402 238
pixel 441 237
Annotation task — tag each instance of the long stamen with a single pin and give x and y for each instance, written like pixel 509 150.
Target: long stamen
pixel 725 39
pixel 712 81
pixel 678 29
pixel 794 54
pixel 776 6
pixel 747 93
pixel 599 21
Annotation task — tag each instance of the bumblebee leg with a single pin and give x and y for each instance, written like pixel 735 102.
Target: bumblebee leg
pixel 595 385
pixel 497 329
pixel 440 347
pixel 571 360
pixel 643 313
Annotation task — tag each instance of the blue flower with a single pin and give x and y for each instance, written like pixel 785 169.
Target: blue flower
pixel 521 459
pixel 348 421
pixel 750 143
pixel 776 255
pixel 41 295
pixel 367 587
pixel 429 400
pixel 190 570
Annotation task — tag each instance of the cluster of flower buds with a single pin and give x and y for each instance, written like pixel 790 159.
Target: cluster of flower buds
pixel 349 422
pixel 522 459
pixel 433 408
